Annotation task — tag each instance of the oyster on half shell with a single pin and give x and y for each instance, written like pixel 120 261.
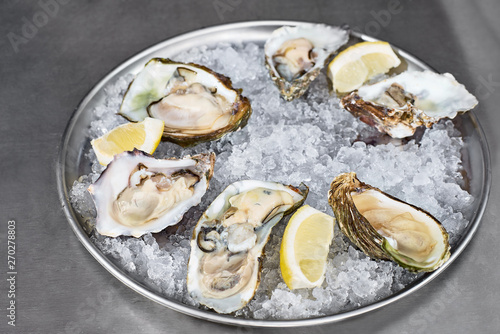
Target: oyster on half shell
pixel 384 227
pixel 400 104
pixel 296 55
pixel 195 103
pixel 137 193
pixel 229 239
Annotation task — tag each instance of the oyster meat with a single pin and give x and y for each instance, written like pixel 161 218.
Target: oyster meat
pixel 229 239
pixel 296 55
pixel 196 103
pixel 137 193
pixel 384 227
pixel 399 105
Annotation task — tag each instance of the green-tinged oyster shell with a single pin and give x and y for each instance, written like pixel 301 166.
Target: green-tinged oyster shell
pixel 384 227
pixel 196 103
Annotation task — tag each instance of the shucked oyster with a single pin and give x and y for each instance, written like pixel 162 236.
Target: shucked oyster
pixel 195 103
pixel 384 227
pixel 228 241
pixel 399 105
pixel 296 55
pixel 137 193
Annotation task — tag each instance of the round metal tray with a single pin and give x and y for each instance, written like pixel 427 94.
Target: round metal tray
pixel 72 164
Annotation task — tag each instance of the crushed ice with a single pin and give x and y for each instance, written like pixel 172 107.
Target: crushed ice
pixel 308 140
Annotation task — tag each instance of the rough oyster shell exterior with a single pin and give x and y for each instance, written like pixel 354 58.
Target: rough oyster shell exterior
pixel 148 88
pixel 358 229
pixel 326 41
pixel 400 104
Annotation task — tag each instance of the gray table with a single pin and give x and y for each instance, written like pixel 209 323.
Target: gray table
pixel 46 70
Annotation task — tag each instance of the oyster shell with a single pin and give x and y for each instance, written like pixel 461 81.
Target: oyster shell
pixel 137 193
pixel 399 105
pixel 196 103
pixel 296 55
pixel 384 227
pixel 229 239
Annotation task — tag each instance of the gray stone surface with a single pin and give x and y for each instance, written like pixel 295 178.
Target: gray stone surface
pixel 46 71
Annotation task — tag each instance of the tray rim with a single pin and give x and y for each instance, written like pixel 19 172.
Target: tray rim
pixel 228 319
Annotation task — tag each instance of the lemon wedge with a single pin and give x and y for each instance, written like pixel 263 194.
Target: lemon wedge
pixel 304 248
pixel 359 63
pixel 144 136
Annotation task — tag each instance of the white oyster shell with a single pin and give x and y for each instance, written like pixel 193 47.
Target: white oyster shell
pixel 425 98
pixel 326 40
pixel 437 95
pixel 123 173
pixel 247 242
